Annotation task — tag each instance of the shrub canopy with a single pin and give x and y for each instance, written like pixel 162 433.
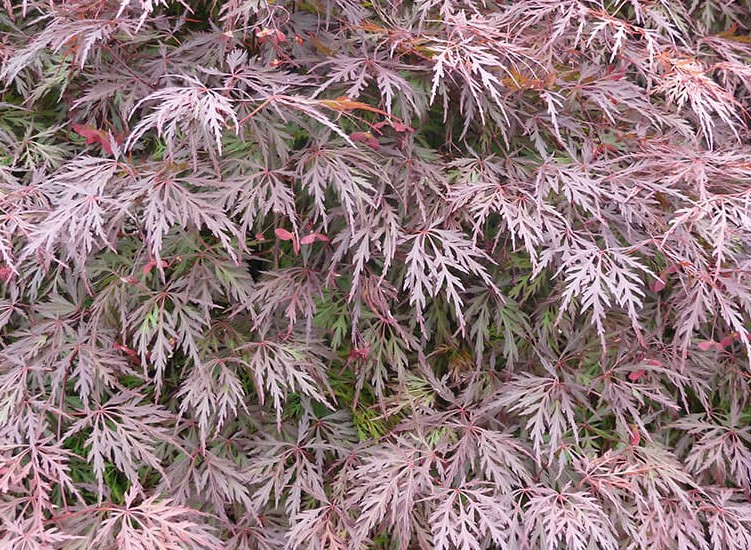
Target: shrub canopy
pixel 347 274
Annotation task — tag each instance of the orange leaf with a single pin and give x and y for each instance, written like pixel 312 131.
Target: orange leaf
pixel 347 104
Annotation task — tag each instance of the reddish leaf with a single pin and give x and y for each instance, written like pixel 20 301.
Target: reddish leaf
pixel 274 34
pixel 399 127
pixel 707 345
pixel 728 340
pixel 94 135
pixel 90 133
pixel 131 353
pixel 313 237
pixel 151 265
pixel 358 354
pixel 125 349
pixel 367 138
pixel 658 284
pixel 284 235
pixel 635 375
pixel 635 437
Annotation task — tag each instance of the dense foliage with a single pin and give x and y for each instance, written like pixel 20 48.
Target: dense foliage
pixel 347 274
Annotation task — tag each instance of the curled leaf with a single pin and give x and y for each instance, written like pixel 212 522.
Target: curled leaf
pixel 707 345
pixel 283 235
pixel 635 375
pixel 313 237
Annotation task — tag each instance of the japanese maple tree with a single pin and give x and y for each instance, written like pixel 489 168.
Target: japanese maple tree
pixel 348 274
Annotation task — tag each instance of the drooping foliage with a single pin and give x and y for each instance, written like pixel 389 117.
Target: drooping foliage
pixel 347 274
